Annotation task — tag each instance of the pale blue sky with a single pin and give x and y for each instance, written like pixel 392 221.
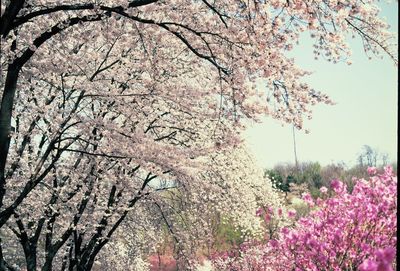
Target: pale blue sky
pixel 365 112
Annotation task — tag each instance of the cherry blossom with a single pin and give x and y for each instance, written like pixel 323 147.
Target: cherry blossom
pixel 131 112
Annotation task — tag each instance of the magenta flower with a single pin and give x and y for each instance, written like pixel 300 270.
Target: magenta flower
pixel 368 265
pixel 308 199
pixel 371 170
pixel 338 186
pixel 382 262
pixel 292 213
pixel 345 232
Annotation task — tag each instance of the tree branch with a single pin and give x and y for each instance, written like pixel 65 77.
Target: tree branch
pixel 13 22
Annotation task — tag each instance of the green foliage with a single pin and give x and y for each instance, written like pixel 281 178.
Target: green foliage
pixel 278 181
pixel 314 192
pixel 300 206
pixel 227 236
pixel 314 176
pixel 306 173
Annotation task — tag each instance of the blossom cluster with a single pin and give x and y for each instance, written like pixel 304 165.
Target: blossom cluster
pixel 345 231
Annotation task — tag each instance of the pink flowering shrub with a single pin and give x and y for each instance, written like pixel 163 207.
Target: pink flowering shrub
pixel 345 231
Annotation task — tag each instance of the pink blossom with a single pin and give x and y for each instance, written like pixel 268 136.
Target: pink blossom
pixel 386 255
pixel 382 262
pixel 371 170
pixel 337 186
pixel 368 265
pixel 308 199
pixel 292 213
pixel 388 170
pixel 285 230
pixel 330 237
pixel 273 243
pixel 323 190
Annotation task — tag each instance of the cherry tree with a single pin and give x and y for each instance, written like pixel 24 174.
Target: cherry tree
pixel 109 106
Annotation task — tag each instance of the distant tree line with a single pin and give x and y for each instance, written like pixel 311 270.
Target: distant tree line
pixel 288 177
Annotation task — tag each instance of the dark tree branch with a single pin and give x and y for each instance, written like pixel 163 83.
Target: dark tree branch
pixel 9 15
pixel 12 22
pixel 220 15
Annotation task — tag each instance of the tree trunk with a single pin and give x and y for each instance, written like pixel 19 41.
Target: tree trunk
pixel 30 257
pixel 48 264
pixel 5 121
pixel 2 263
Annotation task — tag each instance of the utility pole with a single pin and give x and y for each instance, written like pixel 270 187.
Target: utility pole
pixel 294 148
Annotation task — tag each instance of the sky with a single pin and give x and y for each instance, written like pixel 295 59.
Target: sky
pixel 365 112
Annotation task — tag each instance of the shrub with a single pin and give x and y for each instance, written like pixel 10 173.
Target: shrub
pixel 345 231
